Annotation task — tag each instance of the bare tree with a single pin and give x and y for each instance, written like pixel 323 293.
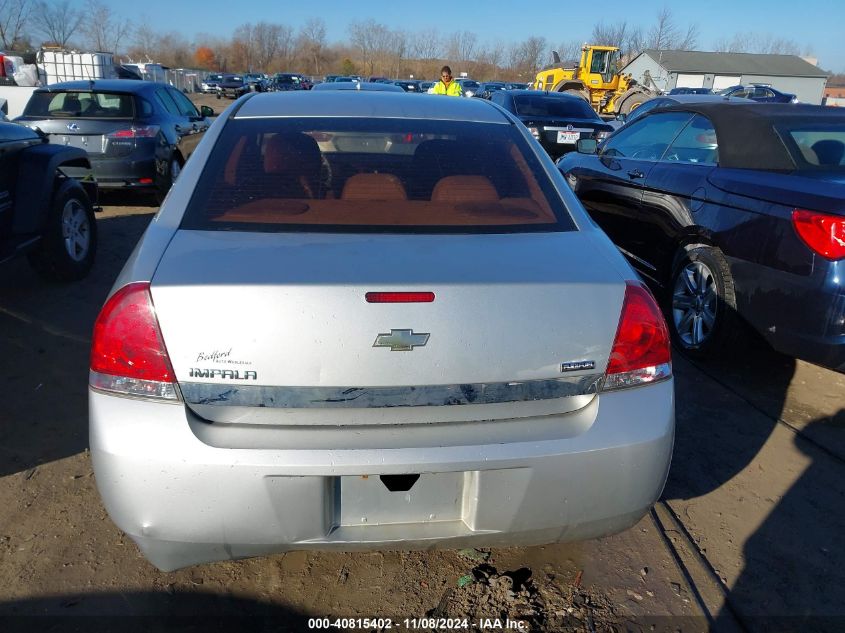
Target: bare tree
pixel 634 44
pixel 105 31
pixel 243 47
pixel 689 40
pixel 461 46
pixel 664 32
pixel 58 22
pixel 372 40
pixel 493 55
pixel 312 38
pixel 535 52
pixel 426 44
pixel 396 51
pixel 288 49
pixel 146 40
pixel 610 34
pixel 173 49
pixel 267 40
pixel 629 40
pixel 527 57
pixel 365 36
pixel 736 44
pixel 758 43
pixel 13 16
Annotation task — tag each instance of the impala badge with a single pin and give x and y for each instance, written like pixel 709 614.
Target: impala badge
pixel 578 365
pixel 401 340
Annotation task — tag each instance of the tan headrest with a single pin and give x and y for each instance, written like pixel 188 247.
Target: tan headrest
pixel 464 189
pixel 373 187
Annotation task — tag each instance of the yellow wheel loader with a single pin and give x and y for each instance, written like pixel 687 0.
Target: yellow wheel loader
pixel 596 78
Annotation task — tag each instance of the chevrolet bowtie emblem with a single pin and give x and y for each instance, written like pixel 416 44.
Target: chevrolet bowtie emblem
pixel 401 340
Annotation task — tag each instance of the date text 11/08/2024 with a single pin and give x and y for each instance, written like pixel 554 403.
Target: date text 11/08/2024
pixel 411 624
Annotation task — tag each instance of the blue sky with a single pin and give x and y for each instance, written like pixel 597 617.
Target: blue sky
pixel 819 24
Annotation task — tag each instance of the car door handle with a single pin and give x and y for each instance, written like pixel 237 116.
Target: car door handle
pixel 635 173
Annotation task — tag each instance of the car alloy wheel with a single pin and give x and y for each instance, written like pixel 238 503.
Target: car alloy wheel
pixel 76 230
pixel 694 304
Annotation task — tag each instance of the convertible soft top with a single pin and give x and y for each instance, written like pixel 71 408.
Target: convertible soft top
pixel 747 134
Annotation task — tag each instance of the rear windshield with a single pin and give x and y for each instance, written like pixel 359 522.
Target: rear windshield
pixel 95 105
pixel 373 175
pixel 817 146
pixel 540 105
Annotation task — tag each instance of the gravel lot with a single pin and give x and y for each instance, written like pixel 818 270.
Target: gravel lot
pixel 748 533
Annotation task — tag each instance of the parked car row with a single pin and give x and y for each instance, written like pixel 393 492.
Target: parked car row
pixel 470 87
pixel 755 92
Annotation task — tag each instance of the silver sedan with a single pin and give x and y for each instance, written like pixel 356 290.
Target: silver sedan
pixel 364 321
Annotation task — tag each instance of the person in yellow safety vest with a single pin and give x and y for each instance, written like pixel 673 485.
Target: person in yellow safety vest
pixel 446 86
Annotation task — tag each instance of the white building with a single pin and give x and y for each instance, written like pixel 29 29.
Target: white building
pixel 696 69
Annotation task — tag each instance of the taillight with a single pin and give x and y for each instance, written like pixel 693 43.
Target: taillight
pixel 823 233
pixel 641 351
pixel 399 297
pixel 128 355
pixel 140 131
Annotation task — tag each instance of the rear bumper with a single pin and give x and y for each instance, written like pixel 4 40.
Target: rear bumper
pixel 125 172
pixel 232 93
pixel 801 316
pixel 186 502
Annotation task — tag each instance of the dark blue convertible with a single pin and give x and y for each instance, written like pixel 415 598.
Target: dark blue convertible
pixel 732 211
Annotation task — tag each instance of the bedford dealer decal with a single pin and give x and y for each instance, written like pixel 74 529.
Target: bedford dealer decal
pixel 222 357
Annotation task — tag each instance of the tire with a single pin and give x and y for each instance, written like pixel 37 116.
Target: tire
pixel 69 240
pixel 633 102
pixel 578 93
pixel 166 182
pixel 701 307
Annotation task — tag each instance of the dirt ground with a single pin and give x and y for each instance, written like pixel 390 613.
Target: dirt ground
pixel 747 536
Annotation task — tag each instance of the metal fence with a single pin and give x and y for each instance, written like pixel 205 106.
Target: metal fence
pixel 185 79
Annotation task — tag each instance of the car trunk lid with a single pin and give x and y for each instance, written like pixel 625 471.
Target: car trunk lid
pixel 822 191
pixel 290 311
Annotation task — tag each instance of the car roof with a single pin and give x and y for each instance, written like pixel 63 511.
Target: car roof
pixel 368 103
pixel 546 93
pixel 705 98
pixel 746 132
pixel 106 85
pixel 356 86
